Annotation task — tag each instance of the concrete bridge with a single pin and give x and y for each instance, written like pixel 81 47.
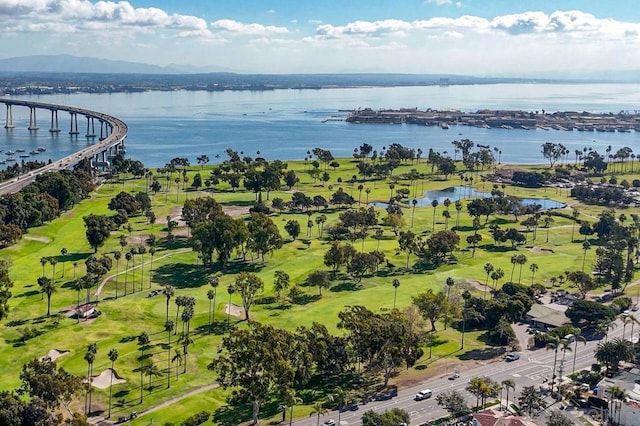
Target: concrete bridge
pixel 113 132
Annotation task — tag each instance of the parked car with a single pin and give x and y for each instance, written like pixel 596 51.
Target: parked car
pixel 329 422
pixel 513 356
pixel 423 394
pixel 634 307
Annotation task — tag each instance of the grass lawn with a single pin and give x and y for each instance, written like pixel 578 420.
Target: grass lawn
pixel 124 318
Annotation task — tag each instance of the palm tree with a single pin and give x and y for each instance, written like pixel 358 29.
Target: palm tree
pixel 434 204
pixel 450 282
pixel 141 251
pixel 43 262
pixel 446 216
pixel 578 338
pixel 117 256
pixel 168 292
pixel 133 252
pixel 53 261
pixel 128 256
pixel 508 384
pixel 533 268
pixel 458 206
pixel 143 343
pixel 396 284
pixel 488 269
pixel 210 295
pixel 47 286
pixel 625 321
pixel 414 202
pixel 586 245
pixel 553 343
pixel 152 370
pixel 230 289
pixel 113 356
pixel 89 356
pixel 575 213
pixel 177 358
pixel 187 315
pixel 180 301
pixel 522 259
pixel 214 282
pixel 63 253
pixel 291 400
pixel 152 252
pixel 319 410
pixel 514 262
pixel 617 394
pixel 168 327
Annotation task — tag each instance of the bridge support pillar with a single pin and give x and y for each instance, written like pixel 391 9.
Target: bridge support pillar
pixel 33 124
pixel 9 122
pixel 54 121
pixel 91 131
pixel 102 126
pixel 74 124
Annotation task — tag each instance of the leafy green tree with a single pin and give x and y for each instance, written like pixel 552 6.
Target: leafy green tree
pixel 587 313
pixel 293 228
pixel 454 402
pixel 280 282
pixel 248 286
pixel 264 236
pixel 45 381
pixel 583 282
pixel 5 288
pixel 319 279
pixel 432 306
pixel 392 417
pixel 98 229
pixel 223 234
pixel 258 362
pixel 531 400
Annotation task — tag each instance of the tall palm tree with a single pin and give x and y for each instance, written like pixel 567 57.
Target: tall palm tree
pixel 449 282
pixel 214 282
pixel 586 245
pixel 127 256
pixel 117 256
pixel 133 252
pixel 187 315
pixel 63 253
pixel 89 356
pixel 152 370
pixel 152 252
pixel 533 268
pixel 553 343
pixel 617 395
pixel 488 269
pixel 43 262
pixel 514 262
pixel 396 284
pixel 53 262
pixel 319 410
pixel 47 286
pixel 177 358
pixel 508 384
pixel 434 204
pixel 230 289
pixel 578 338
pixel 113 356
pixel 180 302
pixel 629 319
pixel 141 251
pixel 210 295
pixel 522 259
pixel 168 292
pixel 143 343
pixel 574 214
pixel 168 327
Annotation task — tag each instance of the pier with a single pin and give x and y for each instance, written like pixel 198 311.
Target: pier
pixel 113 133
pixel 622 122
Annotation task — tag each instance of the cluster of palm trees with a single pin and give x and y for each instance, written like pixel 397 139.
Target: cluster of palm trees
pixel 48 285
pixel 130 257
pixel 614 351
pixel 557 343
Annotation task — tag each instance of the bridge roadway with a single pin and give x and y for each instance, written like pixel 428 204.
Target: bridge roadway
pixel 114 139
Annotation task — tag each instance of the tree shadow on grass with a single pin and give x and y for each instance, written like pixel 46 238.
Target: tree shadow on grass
pixel 306 299
pixel 28 293
pixel 492 248
pixel 181 275
pixel 346 286
pixel 266 300
pixel 243 266
pixel 218 328
pixel 232 415
pixel 175 244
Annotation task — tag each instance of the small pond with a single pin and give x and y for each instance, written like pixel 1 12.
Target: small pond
pixel 455 193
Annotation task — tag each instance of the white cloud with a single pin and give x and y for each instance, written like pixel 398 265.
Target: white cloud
pixel 240 28
pixel 438 2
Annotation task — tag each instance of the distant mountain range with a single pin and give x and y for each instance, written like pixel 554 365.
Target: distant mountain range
pixel 68 64
pixel 85 65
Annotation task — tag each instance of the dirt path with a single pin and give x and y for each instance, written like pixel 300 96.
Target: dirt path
pixel 104 281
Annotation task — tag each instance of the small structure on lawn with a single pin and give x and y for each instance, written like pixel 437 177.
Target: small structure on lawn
pixel 88 310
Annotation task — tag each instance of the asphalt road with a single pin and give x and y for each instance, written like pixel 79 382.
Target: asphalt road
pixel 530 369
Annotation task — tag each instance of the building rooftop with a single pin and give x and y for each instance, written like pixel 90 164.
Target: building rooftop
pixel 627 380
pixel 491 417
pixel 547 315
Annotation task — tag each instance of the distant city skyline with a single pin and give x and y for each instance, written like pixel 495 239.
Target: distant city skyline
pixel 479 37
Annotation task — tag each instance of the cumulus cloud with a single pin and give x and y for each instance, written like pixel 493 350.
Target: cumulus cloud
pixel 574 24
pixel 240 28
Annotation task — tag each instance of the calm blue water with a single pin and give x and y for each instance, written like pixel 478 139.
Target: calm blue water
pixel 286 123
pixel 455 193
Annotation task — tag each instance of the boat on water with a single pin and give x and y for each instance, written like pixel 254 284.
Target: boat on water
pixel 42 149
pixel 20 150
pixel 9 153
pixel 34 152
pixel 24 156
pixel 11 158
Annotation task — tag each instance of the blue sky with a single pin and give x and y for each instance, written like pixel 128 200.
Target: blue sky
pixel 481 37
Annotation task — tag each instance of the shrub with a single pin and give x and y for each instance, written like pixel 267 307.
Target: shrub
pixel 621 303
pixel 196 419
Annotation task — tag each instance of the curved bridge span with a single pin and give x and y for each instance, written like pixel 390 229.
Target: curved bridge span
pixel 113 132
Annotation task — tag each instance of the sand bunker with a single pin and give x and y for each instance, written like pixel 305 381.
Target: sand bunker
pixel 235 310
pixel 104 379
pixel 540 250
pixel 54 354
pixel 235 211
pixel 479 286
pixel 39 239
